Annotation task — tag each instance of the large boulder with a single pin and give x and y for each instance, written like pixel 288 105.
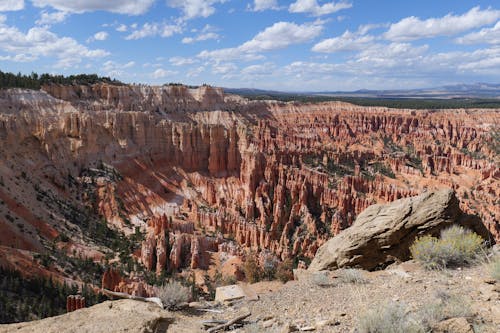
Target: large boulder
pixel 108 317
pixel 382 234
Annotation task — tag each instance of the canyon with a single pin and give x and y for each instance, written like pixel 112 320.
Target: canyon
pixel 170 179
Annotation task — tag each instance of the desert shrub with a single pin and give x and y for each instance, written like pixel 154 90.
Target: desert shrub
pixel 172 294
pixel 495 268
pixel 352 275
pixel 322 279
pixel 389 318
pixel 446 306
pixel 269 268
pixel 284 271
pixel 457 246
pixel 251 268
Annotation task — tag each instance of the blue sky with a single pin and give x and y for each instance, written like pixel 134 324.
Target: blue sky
pixel 298 45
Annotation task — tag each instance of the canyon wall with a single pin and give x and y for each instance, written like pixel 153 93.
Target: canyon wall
pixel 198 172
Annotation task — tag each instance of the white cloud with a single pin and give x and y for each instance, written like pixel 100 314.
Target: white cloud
pixel 278 36
pixel 114 69
pixel 224 69
pixel 349 41
pixel 486 36
pixel 51 18
pixel 154 29
pixel 121 28
pixel 130 7
pixel 161 73
pixel 40 42
pixel 312 7
pixel 194 72
pixel 180 61
pixel 281 35
pixel 100 36
pixel 195 8
pixel 208 32
pixel 260 5
pixel 11 5
pixel 258 70
pixel 411 28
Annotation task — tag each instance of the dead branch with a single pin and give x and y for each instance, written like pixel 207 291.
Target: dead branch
pixel 229 323
pixel 154 300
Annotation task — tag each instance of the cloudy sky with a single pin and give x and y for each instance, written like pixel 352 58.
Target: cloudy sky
pixel 271 44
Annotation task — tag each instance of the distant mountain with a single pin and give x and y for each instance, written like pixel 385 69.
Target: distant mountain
pixel 473 90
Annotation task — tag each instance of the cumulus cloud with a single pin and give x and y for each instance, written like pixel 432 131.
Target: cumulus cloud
pixel 207 33
pixel 11 5
pixel 484 36
pixel 40 42
pixel 348 41
pixel 312 7
pixel 100 36
pixel 130 7
pixel 195 8
pixel 121 28
pixel 115 69
pixel 412 28
pixel 161 73
pixel 154 29
pixel 259 70
pixel 281 35
pixel 260 5
pixel 278 36
pixel 180 61
pixel 51 18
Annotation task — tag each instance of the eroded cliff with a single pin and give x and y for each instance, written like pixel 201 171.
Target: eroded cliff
pixel 189 174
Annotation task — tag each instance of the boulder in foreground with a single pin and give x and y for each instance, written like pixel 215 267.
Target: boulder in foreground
pixel 382 234
pixel 108 317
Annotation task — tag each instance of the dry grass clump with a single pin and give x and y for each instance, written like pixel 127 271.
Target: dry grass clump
pixel 445 307
pixel 495 268
pixel 456 247
pixel 352 275
pixel 389 318
pixel 322 279
pixel 172 294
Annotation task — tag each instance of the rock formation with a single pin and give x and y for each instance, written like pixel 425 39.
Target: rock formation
pixel 382 234
pixel 196 171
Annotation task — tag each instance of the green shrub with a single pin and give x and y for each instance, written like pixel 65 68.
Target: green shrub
pixel 389 318
pixel 495 268
pixel 456 247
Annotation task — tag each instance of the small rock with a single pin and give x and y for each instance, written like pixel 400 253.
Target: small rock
pixel 455 325
pixel 490 281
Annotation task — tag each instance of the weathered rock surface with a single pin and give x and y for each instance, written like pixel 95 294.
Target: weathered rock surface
pixel 108 317
pixel 384 233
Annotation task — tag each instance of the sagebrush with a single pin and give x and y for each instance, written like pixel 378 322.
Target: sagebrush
pixel 457 246
pixel 173 294
pixel 495 268
pixel 352 275
pixel 391 317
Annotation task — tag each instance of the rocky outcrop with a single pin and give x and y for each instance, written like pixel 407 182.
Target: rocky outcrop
pixel 108 317
pixel 382 234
